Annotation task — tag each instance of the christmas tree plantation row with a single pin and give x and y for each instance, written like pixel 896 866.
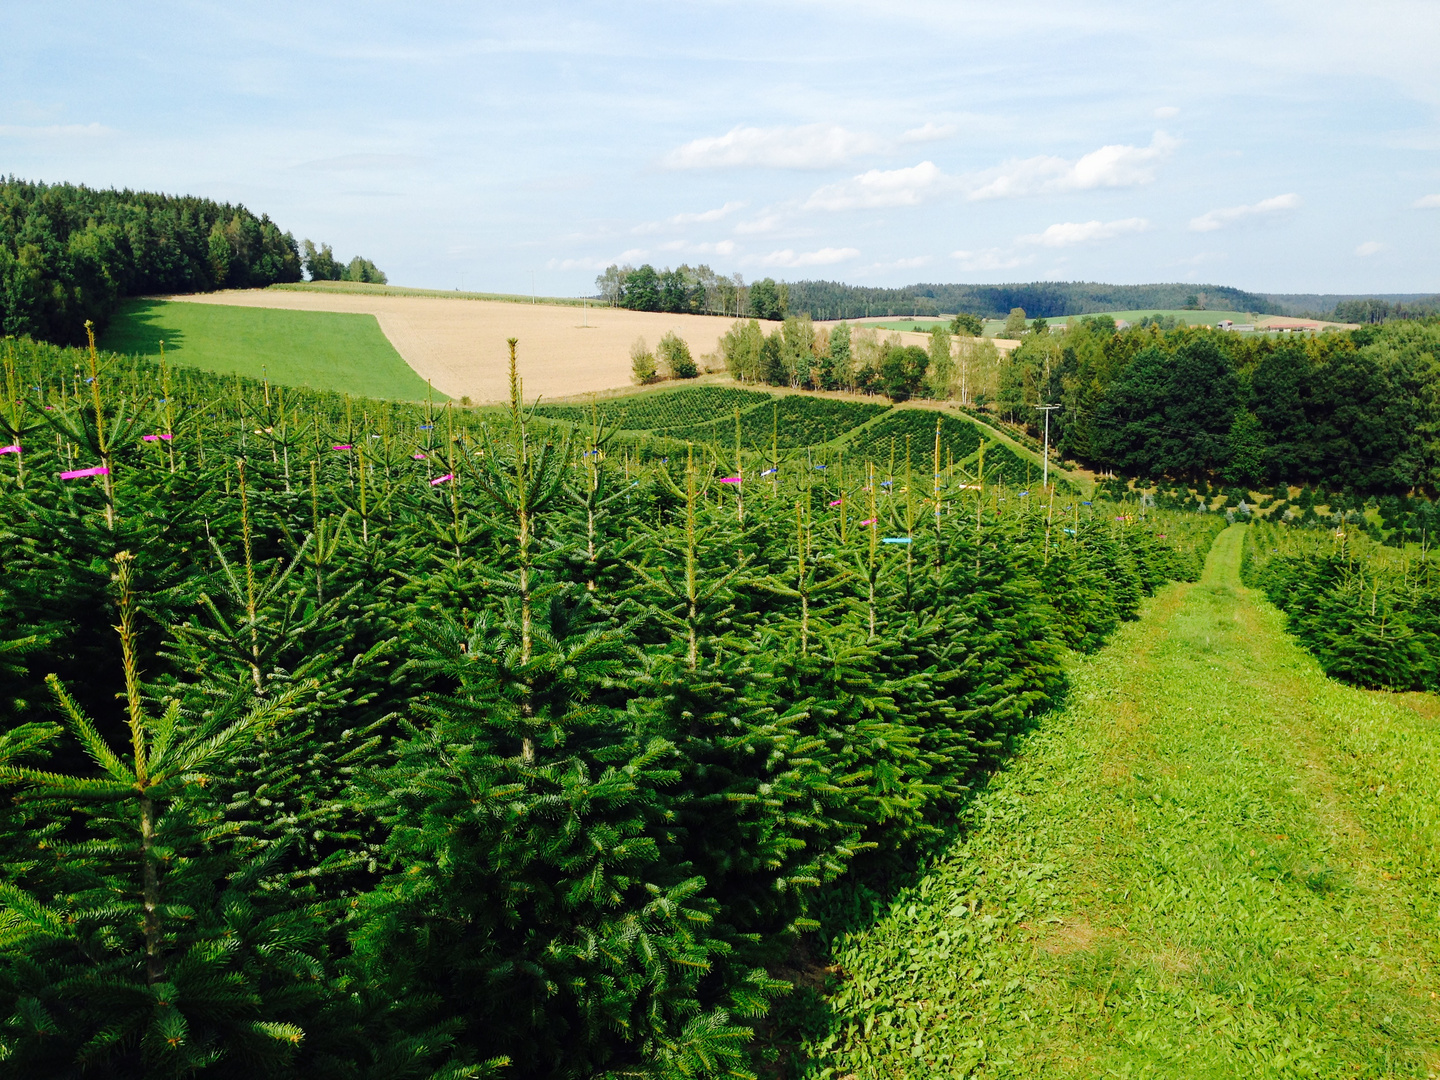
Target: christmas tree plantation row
pixel 1370 613
pixel 366 740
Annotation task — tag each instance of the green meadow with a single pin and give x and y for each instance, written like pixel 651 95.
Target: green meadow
pixel 319 349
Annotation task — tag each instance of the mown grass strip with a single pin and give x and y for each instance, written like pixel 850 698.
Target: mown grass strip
pixel 1213 862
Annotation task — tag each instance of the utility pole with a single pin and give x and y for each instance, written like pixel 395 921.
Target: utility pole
pixel 1045 472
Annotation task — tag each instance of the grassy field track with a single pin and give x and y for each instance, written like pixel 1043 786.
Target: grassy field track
pixel 324 350
pixel 1212 862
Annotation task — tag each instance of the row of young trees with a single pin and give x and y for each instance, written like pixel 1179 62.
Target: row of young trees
pixel 352 739
pixel 1370 614
pixel 69 254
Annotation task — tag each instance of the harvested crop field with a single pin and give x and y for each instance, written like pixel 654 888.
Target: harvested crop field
pixel 459 345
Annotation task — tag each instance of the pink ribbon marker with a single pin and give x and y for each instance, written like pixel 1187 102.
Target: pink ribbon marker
pixel 76 474
pixel 442 479
pixel 837 502
pixel 418 456
pixel 868 521
pixel 343 446
pixel 730 480
pixel 9 449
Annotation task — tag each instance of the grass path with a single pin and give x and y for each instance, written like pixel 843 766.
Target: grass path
pixel 1212 862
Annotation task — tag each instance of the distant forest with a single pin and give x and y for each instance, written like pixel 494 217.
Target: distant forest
pixel 700 290
pixel 1040 299
pixel 70 253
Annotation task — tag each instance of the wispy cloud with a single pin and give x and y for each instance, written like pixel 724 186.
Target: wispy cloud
pixel 54 131
pixel 1427 202
pixel 792 259
pixel 1067 233
pixel 929 132
pixel 702 217
pixel 1165 112
pixel 576 264
pixel 763 224
pixel 1368 248
pixel 808 146
pixel 708 215
pixel 990 259
pixel 362 162
pixel 883 187
pixel 811 146
pixel 721 247
pixel 1117 165
pixel 1218 219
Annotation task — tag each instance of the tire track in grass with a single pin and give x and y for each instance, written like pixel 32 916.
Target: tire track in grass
pixel 1212 862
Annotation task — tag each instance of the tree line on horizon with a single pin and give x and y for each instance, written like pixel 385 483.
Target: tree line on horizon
pixel 1358 411
pixel 687 290
pixel 70 254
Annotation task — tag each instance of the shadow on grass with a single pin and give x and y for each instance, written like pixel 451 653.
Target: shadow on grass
pixel 855 903
pixel 138 328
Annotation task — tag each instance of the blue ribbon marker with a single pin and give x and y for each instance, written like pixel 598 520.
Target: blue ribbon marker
pixel 895 539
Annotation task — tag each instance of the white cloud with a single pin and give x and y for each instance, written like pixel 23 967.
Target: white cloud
pixel 576 264
pixel 1369 247
pixel 708 215
pixel 1084 232
pixel 1427 202
pixel 1165 112
pixel 929 132
pixel 1117 165
pixel 723 247
pixel 824 257
pixel 882 187
pixel 767 223
pixel 362 162
pixel 1218 219
pixel 55 131
pixel 989 259
pixel 812 146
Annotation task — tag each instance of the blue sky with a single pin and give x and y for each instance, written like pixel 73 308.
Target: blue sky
pixel 1275 145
